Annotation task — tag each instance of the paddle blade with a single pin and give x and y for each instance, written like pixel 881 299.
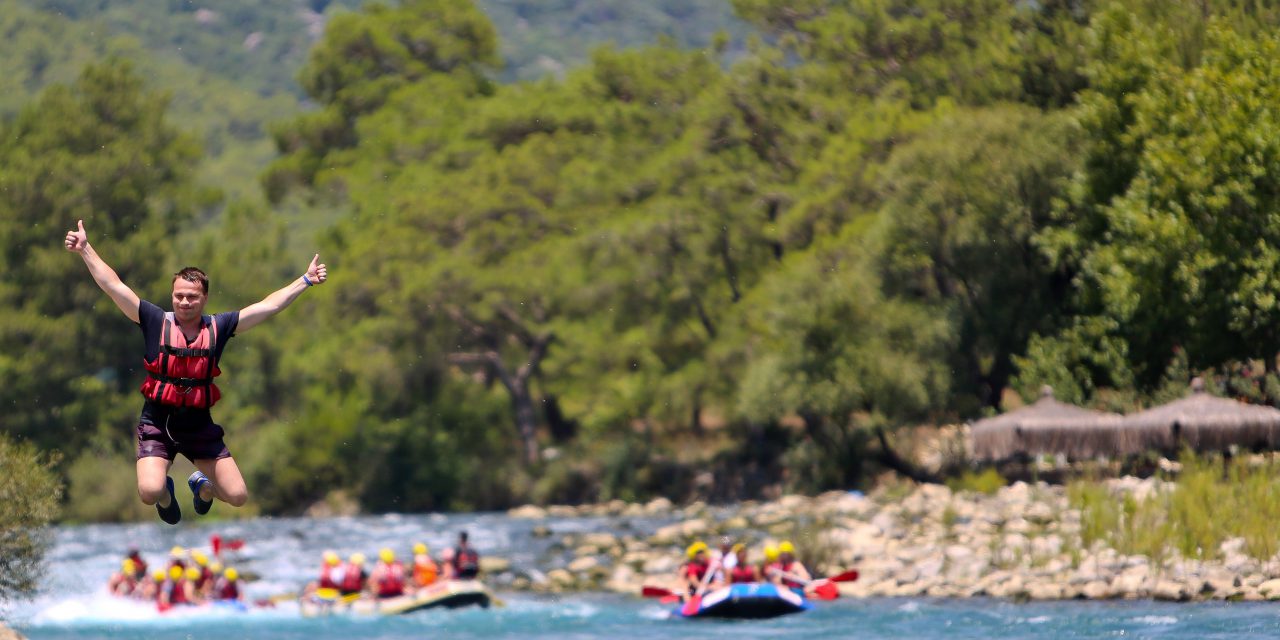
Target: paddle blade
pixel 655 592
pixel 671 599
pixel 691 606
pixel 826 591
pixel 848 576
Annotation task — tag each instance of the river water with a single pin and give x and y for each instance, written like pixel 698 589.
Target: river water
pixel 285 553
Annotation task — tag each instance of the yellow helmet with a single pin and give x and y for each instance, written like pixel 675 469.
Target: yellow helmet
pixel 232 574
pixel 175 572
pixel 419 549
pixel 193 573
pixel 786 547
pixel 177 552
pixel 770 553
pixel 739 548
pixel 386 555
pixel 216 568
pixel 128 567
pixel 356 558
pixel 200 558
pixel 695 548
pixel 331 558
pixel 158 575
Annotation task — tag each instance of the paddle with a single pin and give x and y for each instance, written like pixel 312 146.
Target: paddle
pixel 824 588
pixel 693 604
pixel 665 596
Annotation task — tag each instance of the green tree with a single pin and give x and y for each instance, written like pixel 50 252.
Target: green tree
pixel 98 150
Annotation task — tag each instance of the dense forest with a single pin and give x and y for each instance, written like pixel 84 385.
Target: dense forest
pixel 676 270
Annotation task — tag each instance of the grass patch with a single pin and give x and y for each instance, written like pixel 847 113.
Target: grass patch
pixel 1212 501
pixel 988 482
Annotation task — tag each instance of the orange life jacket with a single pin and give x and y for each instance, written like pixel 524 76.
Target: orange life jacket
pixel 425 572
pixel 182 373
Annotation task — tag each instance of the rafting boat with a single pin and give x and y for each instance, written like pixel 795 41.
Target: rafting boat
pixel 452 594
pixel 748 600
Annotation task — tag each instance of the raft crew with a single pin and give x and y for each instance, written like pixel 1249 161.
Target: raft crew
pixel 203 583
pixel 447 570
pixel 354 576
pixel 425 570
pixel 790 572
pixel 743 571
pixel 770 564
pixel 693 572
pixel 227 587
pixel 177 558
pixel 138 563
pixel 176 590
pixel 466 561
pixel 125 582
pixel 388 579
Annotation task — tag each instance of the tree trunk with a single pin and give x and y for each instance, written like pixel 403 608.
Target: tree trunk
pixel 526 421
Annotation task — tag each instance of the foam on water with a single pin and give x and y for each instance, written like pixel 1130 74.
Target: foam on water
pixel 1156 620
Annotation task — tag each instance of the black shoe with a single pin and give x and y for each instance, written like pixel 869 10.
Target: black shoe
pixel 172 513
pixel 197 479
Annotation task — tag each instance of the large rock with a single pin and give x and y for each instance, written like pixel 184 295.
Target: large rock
pixel 1270 589
pixel 1096 590
pixel 658 506
pixel 1171 590
pixel 560 578
pixel 528 512
pixel 580 565
pixel 494 565
pixel 680 532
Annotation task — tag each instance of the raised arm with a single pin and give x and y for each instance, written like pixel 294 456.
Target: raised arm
pixel 124 297
pixel 253 315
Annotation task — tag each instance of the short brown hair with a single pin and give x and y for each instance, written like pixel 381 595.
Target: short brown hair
pixel 194 275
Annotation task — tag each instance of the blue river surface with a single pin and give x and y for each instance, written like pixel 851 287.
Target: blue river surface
pixel 283 554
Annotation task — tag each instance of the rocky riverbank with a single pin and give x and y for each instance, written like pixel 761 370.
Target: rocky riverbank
pixel 1021 543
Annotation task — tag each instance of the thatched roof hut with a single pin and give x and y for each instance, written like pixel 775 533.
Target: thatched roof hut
pixel 1206 423
pixel 1051 427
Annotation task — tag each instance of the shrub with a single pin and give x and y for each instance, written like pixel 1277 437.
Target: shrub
pixel 29 496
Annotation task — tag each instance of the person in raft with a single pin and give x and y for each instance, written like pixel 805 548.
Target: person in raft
pixel 182 349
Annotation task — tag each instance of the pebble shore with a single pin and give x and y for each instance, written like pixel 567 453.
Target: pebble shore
pixel 1021 543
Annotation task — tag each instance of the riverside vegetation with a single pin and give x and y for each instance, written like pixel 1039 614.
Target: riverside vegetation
pixel 1172 539
pixel 662 273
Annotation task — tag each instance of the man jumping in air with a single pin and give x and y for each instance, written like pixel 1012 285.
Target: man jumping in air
pixel 182 349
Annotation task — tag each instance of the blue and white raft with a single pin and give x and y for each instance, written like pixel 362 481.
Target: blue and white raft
pixel 748 601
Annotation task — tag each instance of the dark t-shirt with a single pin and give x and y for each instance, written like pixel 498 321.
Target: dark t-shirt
pixel 151 321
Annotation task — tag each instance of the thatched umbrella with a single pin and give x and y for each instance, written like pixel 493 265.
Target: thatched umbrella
pixel 1051 427
pixel 1206 423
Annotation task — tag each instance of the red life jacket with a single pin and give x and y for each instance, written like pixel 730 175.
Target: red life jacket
pixel 392 580
pixel 183 372
pixel 352 579
pixel 177 592
pixel 326 577
pixel 466 563
pixel 742 573
pixel 696 570
pixel 787 582
pixel 227 590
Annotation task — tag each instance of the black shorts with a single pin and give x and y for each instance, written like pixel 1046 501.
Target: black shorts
pixel 165 433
